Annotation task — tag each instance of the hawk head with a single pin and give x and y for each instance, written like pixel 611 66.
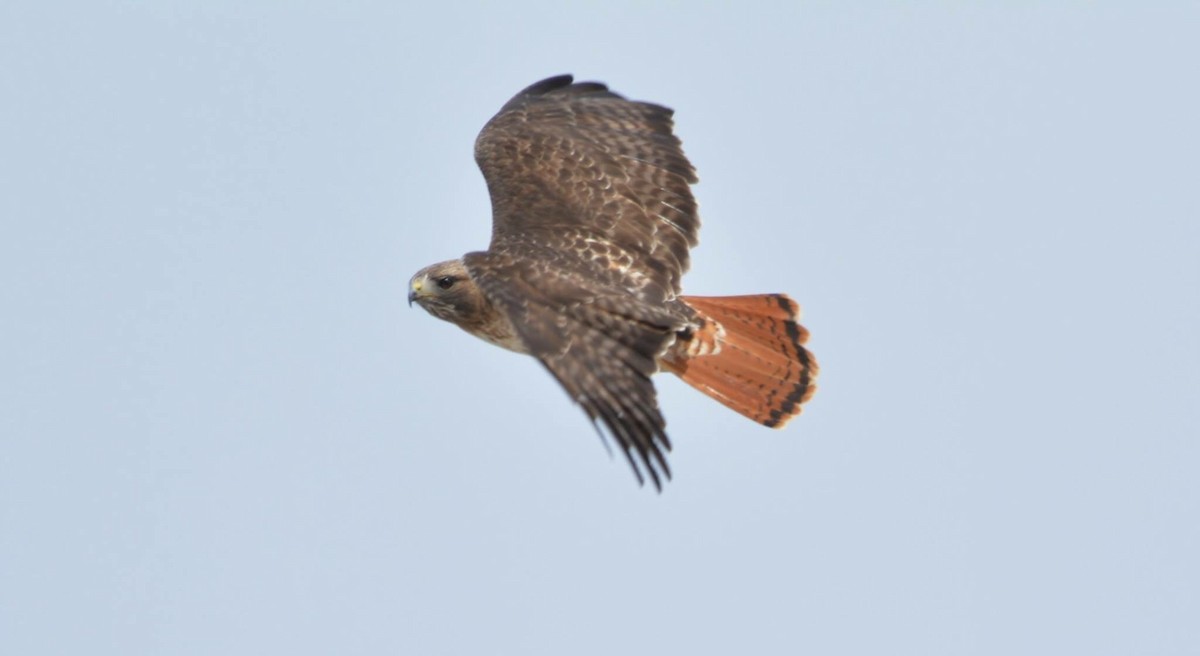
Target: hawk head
pixel 446 291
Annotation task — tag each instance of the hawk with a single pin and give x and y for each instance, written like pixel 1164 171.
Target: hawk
pixel 592 220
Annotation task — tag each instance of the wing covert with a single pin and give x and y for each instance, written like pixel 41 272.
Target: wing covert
pixel 565 158
pixel 600 346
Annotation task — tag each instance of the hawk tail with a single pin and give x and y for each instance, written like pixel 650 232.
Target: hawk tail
pixel 748 353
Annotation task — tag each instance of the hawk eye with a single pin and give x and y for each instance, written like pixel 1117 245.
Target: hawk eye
pixel 446 282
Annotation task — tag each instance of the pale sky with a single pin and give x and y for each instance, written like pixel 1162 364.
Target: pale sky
pixel 224 431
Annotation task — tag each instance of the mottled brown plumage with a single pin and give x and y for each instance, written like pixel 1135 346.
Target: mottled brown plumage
pixel 593 217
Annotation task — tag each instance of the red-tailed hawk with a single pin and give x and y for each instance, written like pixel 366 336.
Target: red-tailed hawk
pixel 592 219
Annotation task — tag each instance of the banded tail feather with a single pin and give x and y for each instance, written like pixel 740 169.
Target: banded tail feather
pixel 748 353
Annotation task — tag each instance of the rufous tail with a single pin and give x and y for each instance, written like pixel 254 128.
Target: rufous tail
pixel 748 353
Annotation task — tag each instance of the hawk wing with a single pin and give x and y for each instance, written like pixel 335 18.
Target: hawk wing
pixel 600 344
pixel 577 160
pixel 592 221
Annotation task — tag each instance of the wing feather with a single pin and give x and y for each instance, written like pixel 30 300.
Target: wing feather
pixel 601 345
pixel 592 221
pixel 563 156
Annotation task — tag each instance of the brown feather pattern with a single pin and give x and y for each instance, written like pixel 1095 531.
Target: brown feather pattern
pixel 593 218
pixel 577 156
pixel 591 199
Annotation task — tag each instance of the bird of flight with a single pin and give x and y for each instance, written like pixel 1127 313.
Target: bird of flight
pixel 592 219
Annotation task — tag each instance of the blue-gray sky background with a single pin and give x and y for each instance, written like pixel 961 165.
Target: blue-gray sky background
pixel 223 431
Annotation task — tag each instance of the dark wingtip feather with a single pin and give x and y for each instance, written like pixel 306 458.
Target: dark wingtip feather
pixel 566 84
pixel 559 84
pixel 547 85
pixel 586 88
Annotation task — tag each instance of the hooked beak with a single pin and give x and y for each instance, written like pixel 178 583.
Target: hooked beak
pixel 414 291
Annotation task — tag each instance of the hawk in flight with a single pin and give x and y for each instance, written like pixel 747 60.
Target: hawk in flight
pixel 592 219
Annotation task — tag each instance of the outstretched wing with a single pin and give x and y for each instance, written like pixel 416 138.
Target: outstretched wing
pixel 592 219
pixel 579 165
pixel 600 344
